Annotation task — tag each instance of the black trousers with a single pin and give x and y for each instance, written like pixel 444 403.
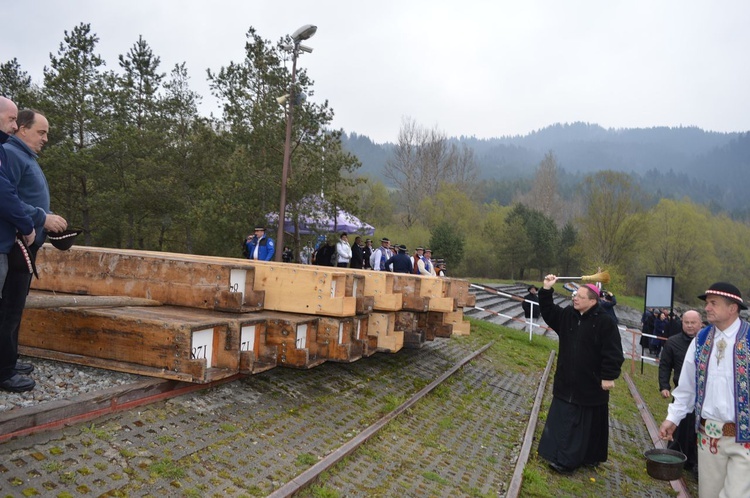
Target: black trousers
pixel 15 290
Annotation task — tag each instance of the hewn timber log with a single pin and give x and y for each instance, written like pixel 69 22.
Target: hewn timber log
pixel 165 341
pixel 459 290
pixel 229 284
pixel 379 285
pixel 165 277
pixel 414 337
pixel 433 325
pixel 360 333
pixel 422 293
pixel 40 300
pixel 383 326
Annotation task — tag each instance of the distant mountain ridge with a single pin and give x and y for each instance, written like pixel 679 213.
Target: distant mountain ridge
pixel 710 165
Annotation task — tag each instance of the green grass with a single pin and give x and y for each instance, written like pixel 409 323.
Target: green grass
pixel 515 353
pixel 166 468
pixel 635 302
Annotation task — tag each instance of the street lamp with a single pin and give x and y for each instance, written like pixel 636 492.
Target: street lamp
pixel 301 34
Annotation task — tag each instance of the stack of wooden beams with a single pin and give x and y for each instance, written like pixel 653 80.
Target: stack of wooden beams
pixel 200 318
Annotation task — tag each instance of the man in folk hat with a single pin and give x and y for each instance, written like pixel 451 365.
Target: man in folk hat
pixel 440 268
pixel 577 429
pixel 424 265
pixel 259 246
pixel 715 382
pixel 401 262
pixel 418 254
pixel 22 151
pixel 381 255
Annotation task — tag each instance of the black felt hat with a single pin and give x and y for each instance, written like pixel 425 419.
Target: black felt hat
pixel 19 258
pixel 64 240
pixel 726 290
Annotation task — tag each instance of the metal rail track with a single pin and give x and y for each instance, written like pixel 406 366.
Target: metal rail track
pixel 311 475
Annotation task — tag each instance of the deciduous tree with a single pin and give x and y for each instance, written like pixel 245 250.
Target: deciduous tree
pixel 611 225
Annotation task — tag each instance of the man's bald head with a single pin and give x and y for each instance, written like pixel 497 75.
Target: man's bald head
pixel 691 322
pixel 8 116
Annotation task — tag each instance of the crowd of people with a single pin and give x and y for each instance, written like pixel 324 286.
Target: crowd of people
pixel 360 254
pixel 662 323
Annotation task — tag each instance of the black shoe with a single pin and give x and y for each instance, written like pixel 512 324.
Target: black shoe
pixel 23 368
pixel 560 469
pixel 17 384
pixel 592 465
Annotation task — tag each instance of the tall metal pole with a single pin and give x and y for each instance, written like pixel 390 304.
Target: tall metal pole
pixel 287 159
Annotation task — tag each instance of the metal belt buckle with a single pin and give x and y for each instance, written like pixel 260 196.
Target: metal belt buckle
pixel 714 428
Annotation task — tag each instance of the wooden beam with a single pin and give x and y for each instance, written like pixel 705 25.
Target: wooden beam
pixel 382 326
pixel 39 300
pixel 160 341
pixel 165 277
pixel 414 337
pixel 379 285
pixel 459 289
pixel 296 289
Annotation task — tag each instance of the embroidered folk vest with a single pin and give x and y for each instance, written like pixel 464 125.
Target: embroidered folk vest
pixel 703 342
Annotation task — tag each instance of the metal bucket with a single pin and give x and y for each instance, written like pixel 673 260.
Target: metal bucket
pixel 665 465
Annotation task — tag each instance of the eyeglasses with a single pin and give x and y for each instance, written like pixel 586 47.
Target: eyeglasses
pixel 580 296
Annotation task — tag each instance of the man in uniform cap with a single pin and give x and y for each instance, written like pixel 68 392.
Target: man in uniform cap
pixel 714 381
pixel 259 246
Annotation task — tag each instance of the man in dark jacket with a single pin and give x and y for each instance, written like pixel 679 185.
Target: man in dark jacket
pixel 401 261
pixel 366 253
pixel 577 429
pixel 27 177
pixel 608 302
pixel 527 307
pixel 672 358
pixel 358 254
pixel 326 254
pixel 13 217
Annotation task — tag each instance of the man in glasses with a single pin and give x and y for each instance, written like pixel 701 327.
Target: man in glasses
pixel 577 429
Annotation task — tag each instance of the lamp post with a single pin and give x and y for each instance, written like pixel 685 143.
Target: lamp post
pixel 301 34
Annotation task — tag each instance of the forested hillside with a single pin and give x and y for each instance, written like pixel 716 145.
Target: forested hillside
pixel 667 162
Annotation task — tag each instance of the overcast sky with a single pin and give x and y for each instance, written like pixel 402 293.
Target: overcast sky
pixel 469 67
